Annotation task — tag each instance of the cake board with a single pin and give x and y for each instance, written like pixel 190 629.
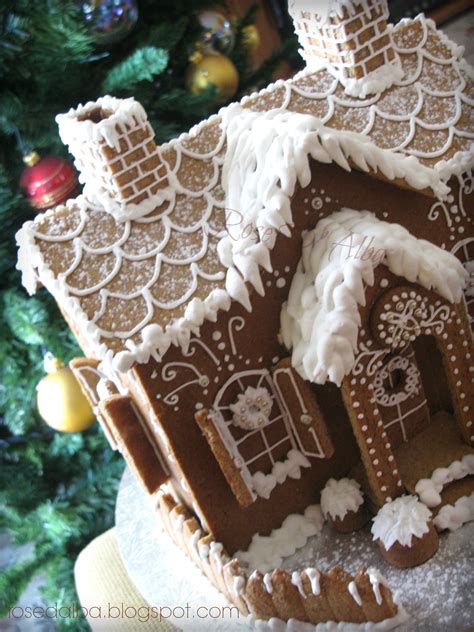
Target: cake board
pixel 437 595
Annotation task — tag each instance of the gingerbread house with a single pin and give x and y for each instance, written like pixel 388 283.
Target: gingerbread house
pixel 280 297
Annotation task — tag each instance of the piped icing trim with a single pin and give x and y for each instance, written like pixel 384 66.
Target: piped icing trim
pixel 320 320
pixel 264 484
pixel 340 497
pixel 400 520
pixel 454 516
pixel 429 489
pixel 293 625
pixel 267 552
pixel 375 82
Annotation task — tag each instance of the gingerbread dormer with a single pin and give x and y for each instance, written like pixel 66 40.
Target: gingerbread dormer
pixel 118 160
pixel 351 38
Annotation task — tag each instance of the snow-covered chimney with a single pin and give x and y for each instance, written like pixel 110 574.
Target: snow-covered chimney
pixel 117 158
pixel 351 39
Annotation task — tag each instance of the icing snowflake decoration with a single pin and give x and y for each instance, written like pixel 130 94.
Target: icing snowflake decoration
pixel 252 408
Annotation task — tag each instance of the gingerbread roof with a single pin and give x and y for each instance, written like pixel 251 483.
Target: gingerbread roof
pixel 132 285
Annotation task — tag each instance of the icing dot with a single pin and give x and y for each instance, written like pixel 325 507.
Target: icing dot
pixel 372 451
pixel 221 346
pixel 376 461
pixel 199 405
pixel 275 359
pixel 216 335
pixel 390 458
pixel 469 424
pixel 226 357
pixel 281 283
pixel 268 284
pixel 360 416
pixel 453 358
pixel 231 367
pixel 379 474
pixel 364 428
pixel 247 361
pixel 399 483
pixel 276 273
pixel 384 283
pixel 287 268
pixel 465 409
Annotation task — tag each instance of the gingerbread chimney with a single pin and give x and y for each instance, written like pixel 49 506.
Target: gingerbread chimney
pixel 118 160
pixel 350 38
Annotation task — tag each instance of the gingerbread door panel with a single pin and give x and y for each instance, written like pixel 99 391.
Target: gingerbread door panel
pixel 263 429
pixel 400 397
pixel 303 412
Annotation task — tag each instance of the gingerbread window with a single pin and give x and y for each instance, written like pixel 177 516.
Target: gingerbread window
pixel 263 428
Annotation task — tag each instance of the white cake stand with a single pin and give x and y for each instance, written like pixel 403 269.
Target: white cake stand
pixel 438 595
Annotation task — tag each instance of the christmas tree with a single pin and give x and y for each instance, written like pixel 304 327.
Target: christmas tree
pixel 58 490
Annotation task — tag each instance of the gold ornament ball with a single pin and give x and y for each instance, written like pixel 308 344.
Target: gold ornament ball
pixel 251 37
pixel 60 400
pixel 213 69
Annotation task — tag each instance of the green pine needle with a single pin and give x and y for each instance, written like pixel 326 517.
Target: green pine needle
pixel 142 65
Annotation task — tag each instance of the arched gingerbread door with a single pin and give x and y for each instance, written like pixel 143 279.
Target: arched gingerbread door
pixel 396 315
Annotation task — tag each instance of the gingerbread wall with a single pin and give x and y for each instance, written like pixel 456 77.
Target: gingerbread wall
pixel 242 341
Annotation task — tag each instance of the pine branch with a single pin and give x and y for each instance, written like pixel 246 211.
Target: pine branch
pixel 142 65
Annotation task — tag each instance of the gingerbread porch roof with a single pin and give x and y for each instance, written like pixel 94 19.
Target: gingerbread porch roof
pixel 131 288
pixel 320 321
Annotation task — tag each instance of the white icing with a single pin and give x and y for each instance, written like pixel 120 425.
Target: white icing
pixel 267 582
pixel 377 579
pixel 320 321
pixel 454 516
pixel 267 552
pixel 314 577
pixel 204 551
pixel 238 585
pixel 340 497
pixel 252 408
pixel 264 484
pixel 400 520
pixel 216 551
pixel 194 539
pixel 429 489
pixel 297 581
pixel 352 588
pixel 293 625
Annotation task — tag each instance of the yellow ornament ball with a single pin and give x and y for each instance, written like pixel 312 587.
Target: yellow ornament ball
pixel 60 400
pixel 213 69
pixel 251 37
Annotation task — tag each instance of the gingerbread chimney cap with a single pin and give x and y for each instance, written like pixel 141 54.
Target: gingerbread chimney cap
pixel 351 39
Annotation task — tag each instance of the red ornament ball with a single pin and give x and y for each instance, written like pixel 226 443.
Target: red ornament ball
pixel 48 181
